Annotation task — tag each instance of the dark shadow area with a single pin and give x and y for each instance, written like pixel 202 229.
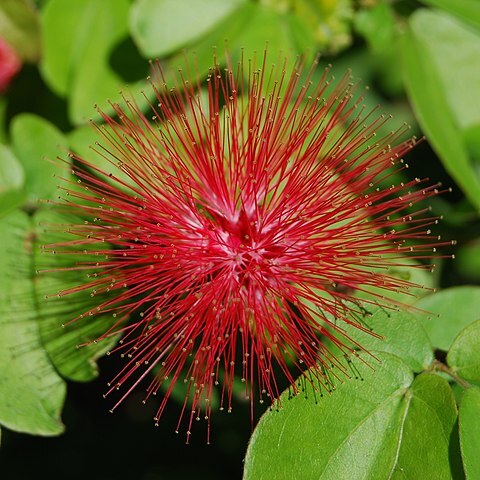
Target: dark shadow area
pixel 29 94
pixel 456 465
pixel 127 62
pixel 99 445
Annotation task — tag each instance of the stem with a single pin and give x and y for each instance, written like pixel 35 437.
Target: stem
pixel 441 367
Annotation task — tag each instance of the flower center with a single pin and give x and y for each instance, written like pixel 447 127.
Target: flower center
pixel 239 242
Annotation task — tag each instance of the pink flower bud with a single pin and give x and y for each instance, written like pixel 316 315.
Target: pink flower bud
pixel 10 64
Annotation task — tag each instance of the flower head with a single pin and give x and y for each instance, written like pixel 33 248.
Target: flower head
pixel 235 229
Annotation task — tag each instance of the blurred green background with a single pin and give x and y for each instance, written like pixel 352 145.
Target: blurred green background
pixel 421 62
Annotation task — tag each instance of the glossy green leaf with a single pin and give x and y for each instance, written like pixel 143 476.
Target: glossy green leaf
pixel 10 201
pixel 428 447
pixel 61 20
pixel 264 27
pixel 453 49
pixel 37 143
pixel 469 427
pixel 88 30
pixel 301 37
pixel 467 260
pixel 12 178
pixel 393 331
pixel 316 437
pixel 11 171
pixel 421 280
pixel 448 312
pixel 379 28
pixel 377 25
pixel 62 344
pixel 31 392
pixel 80 66
pixel 156 28
pixel 214 41
pixel 464 354
pixel 385 425
pixel 247 32
pixel 467 10
pixel 19 25
pixel 471 137
pixel 433 45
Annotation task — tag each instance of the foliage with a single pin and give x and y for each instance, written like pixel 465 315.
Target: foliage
pixel 412 406
pixel 392 422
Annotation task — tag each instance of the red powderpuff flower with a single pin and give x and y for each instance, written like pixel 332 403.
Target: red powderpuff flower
pixel 237 228
pixel 10 64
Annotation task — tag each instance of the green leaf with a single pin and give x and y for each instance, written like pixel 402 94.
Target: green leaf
pixel 330 429
pixel 12 178
pixel 11 171
pixel 65 21
pixel 246 32
pixel 464 354
pixel 63 344
pixel 469 427
pixel 383 425
pixel 428 446
pixel 453 49
pixel 80 65
pixel 301 37
pixel 421 279
pixel 10 201
pixel 396 331
pixel 467 10
pixel 434 44
pixel 467 260
pixel 448 312
pixel 264 27
pixel 31 392
pixel 230 28
pixel 377 25
pixel 88 30
pixel 156 28
pixel 471 137
pixel 379 28
pixel 19 26
pixel 36 143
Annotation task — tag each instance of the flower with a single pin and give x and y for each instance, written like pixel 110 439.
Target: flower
pixel 10 64
pixel 235 230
